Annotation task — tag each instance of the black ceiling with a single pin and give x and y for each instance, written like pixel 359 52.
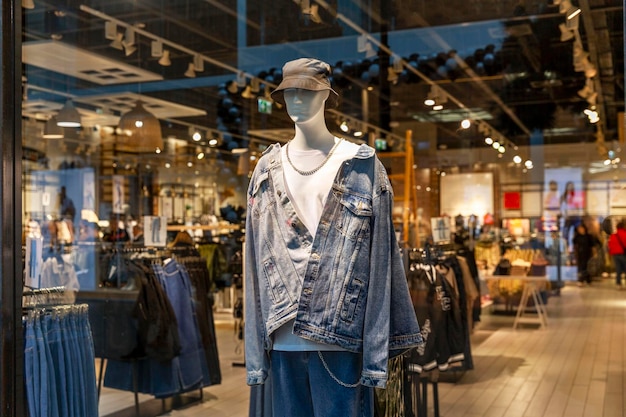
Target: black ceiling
pixel 529 84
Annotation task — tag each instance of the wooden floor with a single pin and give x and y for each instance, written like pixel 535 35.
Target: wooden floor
pixel 573 368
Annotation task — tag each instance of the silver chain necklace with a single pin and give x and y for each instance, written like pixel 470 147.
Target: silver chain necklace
pixel 313 171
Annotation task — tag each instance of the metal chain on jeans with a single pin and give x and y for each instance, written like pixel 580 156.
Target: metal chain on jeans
pixel 337 380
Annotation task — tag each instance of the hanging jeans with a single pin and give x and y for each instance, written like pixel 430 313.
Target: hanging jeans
pixel 193 369
pixel 59 363
pixel 185 372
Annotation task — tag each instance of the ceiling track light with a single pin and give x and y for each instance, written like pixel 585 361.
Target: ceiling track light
pixel 128 43
pixel 117 42
pixel 156 49
pixel 191 70
pixel 392 76
pixel 165 58
pixel 198 63
pixel 573 23
pixel 435 96
pixel 110 30
pixel 247 92
pixel 569 10
pixel 566 33
pixel 573 12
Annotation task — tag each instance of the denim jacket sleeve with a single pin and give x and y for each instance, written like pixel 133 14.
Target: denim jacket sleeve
pixel 396 329
pixel 257 360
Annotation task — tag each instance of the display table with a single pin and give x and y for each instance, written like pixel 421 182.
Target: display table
pixel 531 286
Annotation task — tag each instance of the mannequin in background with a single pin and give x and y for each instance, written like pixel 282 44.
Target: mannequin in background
pixel 322 264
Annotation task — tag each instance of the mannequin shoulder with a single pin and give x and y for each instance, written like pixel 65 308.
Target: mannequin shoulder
pixel 347 149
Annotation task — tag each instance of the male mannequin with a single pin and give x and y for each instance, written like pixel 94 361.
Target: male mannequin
pixel 321 262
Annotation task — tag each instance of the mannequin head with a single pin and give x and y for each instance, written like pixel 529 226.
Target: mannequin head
pixel 306 74
pixel 304 105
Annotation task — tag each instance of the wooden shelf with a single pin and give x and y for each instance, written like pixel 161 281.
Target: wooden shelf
pixel 407 194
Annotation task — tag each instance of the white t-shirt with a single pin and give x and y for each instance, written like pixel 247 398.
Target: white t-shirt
pixel 308 194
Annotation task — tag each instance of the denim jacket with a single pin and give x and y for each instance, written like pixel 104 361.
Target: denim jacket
pixel 353 292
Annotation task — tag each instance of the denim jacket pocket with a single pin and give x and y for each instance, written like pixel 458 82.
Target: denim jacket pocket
pixel 354 220
pixel 351 299
pixel 275 285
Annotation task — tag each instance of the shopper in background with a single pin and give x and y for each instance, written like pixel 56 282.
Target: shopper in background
pixel 585 245
pixel 617 250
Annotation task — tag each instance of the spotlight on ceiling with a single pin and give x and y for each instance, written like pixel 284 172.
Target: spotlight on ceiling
pixel 165 58
pixel 110 30
pixel 156 49
pixel 129 41
pixel 191 70
pixel 566 34
pixel 568 9
pixel 198 63
pixel 117 42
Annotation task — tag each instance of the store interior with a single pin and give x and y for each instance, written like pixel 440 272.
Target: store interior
pixel 500 124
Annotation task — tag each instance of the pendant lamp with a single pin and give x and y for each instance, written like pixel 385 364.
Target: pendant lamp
pixel 68 116
pixel 142 128
pixel 52 130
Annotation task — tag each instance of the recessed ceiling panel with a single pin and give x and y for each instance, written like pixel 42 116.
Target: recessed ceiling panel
pixel 70 60
pixel 123 102
pixel 43 109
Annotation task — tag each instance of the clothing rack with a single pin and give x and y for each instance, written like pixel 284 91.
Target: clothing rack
pixel 128 372
pixel 425 366
pixel 41 297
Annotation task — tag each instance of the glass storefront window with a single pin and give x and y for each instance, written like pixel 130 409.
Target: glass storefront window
pixel 143 120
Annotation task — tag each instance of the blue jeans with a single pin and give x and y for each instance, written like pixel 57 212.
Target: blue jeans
pixel 59 359
pixel 53 388
pixel 90 390
pixel 303 387
pixel 620 267
pixel 42 363
pixel 59 365
pixel 189 367
pixel 31 368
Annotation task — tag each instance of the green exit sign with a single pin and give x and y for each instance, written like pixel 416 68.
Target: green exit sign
pixel 265 106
